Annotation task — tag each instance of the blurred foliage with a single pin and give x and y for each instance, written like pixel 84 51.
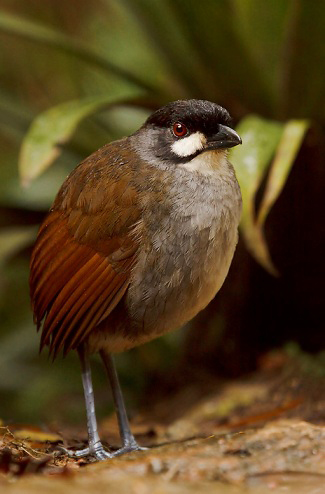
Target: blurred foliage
pixel 310 365
pixel 75 75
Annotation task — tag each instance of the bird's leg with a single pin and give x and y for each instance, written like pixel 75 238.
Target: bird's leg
pixel 128 441
pixel 95 447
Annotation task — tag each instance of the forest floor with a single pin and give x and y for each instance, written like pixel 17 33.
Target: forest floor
pixel 264 433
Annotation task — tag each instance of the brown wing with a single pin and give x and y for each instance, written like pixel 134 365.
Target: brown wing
pixel 81 262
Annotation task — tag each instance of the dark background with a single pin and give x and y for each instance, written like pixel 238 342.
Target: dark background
pixel 264 58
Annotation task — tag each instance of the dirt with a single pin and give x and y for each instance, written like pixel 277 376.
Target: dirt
pixel 262 434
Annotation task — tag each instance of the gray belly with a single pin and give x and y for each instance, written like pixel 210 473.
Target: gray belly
pixel 173 282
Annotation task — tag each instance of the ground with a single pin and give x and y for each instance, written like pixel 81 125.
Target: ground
pixel 263 433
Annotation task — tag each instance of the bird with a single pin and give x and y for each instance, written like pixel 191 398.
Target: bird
pixel 139 239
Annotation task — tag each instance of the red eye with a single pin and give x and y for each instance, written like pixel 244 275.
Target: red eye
pixel 179 129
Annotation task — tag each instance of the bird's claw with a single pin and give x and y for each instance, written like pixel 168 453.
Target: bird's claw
pixel 99 453
pixel 128 448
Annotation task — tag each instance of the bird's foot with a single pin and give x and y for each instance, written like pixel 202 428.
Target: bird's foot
pixel 128 447
pixel 96 451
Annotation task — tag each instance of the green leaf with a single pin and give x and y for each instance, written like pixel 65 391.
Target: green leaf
pixel 41 192
pixel 260 139
pixel 27 29
pixel 301 86
pixel 214 36
pixel 291 139
pixel 255 20
pixel 51 129
pixel 13 239
pixel 185 62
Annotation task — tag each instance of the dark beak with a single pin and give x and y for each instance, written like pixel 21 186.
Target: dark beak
pixel 225 138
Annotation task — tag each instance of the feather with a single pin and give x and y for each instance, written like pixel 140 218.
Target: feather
pixel 83 256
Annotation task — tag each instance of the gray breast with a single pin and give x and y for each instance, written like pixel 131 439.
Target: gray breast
pixel 189 250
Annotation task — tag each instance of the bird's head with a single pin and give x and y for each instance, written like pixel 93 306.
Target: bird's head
pixel 182 130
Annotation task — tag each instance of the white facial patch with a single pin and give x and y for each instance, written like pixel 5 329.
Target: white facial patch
pixel 189 145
